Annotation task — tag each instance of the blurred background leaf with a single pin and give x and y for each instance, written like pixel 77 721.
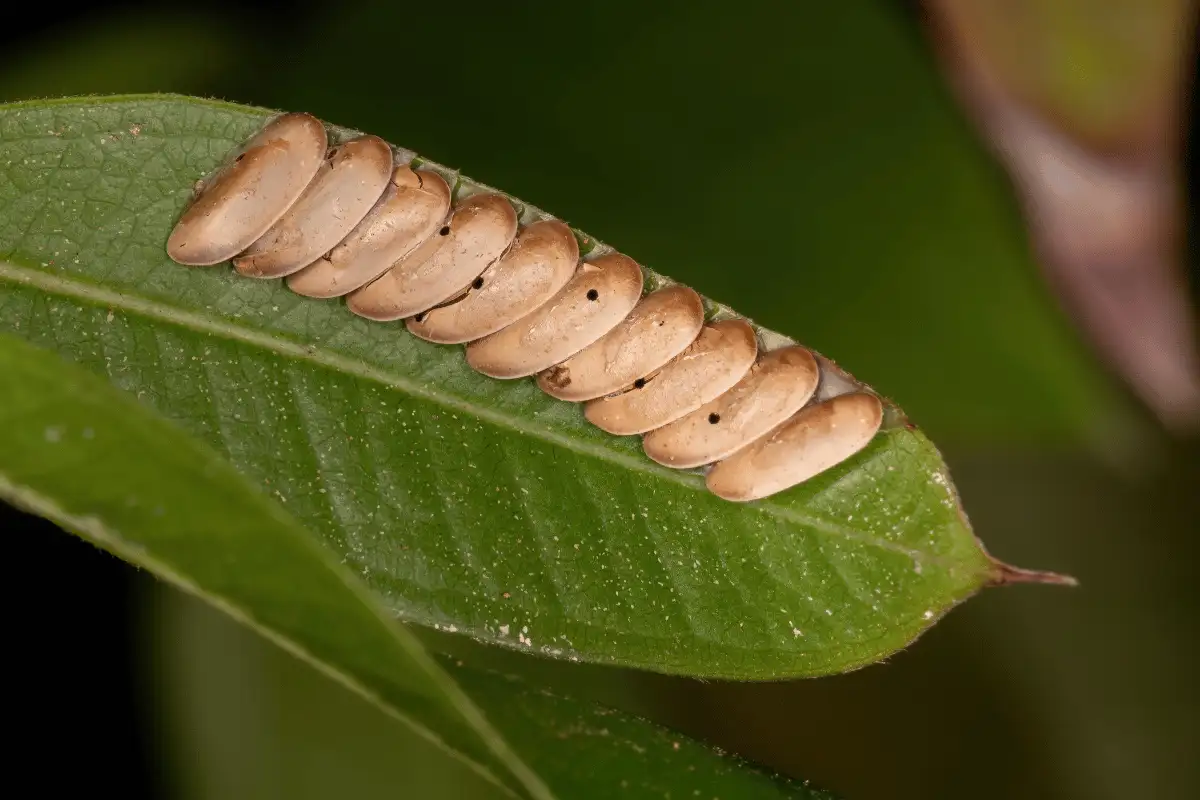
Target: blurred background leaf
pixel 811 168
pixel 1083 101
pixel 1106 71
pixel 225 679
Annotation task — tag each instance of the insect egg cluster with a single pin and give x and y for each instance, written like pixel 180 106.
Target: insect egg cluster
pixel 349 221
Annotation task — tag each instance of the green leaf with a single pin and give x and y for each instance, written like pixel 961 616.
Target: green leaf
pixel 467 504
pixel 304 737
pixel 614 754
pixel 92 460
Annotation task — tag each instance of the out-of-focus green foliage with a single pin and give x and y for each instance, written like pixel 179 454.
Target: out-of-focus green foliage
pixel 126 52
pixel 282 745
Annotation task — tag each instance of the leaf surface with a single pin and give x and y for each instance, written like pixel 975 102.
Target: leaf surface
pixel 466 504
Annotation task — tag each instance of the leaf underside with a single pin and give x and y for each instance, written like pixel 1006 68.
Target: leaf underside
pixel 581 750
pixel 467 504
pixel 617 755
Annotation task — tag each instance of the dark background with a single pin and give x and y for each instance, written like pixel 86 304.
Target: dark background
pixel 819 179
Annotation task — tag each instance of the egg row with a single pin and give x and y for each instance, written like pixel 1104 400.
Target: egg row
pixel 347 221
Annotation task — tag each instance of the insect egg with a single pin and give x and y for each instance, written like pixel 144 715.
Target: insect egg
pixel 660 327
pixel 775 388
pixel 592 303
pixel 809 443
pixel 721 355
pixel 251 192
pixel 348 222
pixel 538 265
pixel 344 189
pixel 412 209
pixel 478 233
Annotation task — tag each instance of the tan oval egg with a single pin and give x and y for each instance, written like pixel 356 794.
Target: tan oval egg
pixel 713 364
pixel 775 388
pixel 659 328
pixel 347 185
pixel 593 302
pixel 251 192
pixel 411 210
pixel 538 265
pixel 480 230
pixel 819 437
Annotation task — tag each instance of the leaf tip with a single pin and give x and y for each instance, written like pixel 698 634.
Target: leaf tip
pixel 1007 575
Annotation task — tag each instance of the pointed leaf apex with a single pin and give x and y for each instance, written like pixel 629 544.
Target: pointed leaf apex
pixel 1007 575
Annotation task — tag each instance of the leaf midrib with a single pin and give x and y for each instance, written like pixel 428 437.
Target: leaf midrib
pixel 157 310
